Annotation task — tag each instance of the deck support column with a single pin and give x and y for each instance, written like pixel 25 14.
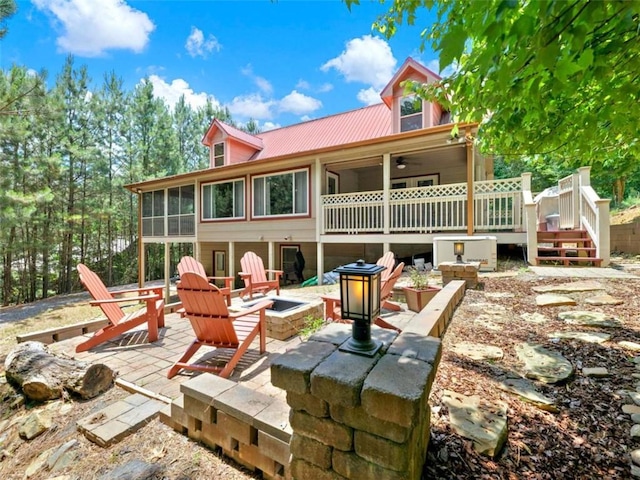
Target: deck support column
pixel 140 243
pixel 231 260
pixel 386 182
pixel 470 175
pixel 320 257
pixel 272 258
pixel 320 177
pixel 167 271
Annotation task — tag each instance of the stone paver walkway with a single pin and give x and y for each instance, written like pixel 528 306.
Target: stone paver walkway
pixel 581 272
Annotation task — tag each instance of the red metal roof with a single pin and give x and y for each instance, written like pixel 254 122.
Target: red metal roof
pixel 349 127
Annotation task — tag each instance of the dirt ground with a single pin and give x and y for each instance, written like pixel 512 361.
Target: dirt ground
pixel 627 215
pixel 588 438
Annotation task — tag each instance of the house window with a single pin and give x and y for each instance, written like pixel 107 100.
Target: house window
pixel 410 113
pixel 218 154
pixel 281 194
pixel 153 213
pixel 181 210
pixel 223 200
pixel 413 182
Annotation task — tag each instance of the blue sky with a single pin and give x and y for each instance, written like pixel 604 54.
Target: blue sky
pixel 276 62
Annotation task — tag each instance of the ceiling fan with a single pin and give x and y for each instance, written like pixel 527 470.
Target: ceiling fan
pixel 401 163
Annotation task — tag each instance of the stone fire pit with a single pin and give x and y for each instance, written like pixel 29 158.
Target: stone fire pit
pixel 287 315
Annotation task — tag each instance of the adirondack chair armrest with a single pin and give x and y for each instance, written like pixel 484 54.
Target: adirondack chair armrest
pixel 277 273
pixel 119 300
pixel 227 280
pixel 157 291
pixel 252 309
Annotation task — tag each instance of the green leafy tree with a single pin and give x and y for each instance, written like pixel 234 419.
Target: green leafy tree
pixel 559 78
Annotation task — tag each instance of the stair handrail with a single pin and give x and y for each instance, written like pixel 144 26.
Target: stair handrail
pixel 594 218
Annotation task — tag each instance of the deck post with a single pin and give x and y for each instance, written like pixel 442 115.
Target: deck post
pixel 530 219
pixel 470 185
pixel 140 243
pixel 167 271
pixel 320 266
pixel 585 181
pixel 231 259
pixel 603 231
pixel 386 182
pixel 575 199
pixel 272 257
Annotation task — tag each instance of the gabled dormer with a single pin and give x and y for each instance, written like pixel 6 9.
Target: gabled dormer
pixel 407 111
pixel 229 145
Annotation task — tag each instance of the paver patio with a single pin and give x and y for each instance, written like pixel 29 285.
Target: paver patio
pixel 145 365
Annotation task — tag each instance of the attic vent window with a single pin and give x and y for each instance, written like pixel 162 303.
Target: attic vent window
pixel 410 113
pixel 218 154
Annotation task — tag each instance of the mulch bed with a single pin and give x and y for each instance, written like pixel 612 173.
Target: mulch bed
pixel 590 435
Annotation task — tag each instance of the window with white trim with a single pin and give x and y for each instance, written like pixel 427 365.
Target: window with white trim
pixel 281 194
pixel 410 113
pixel 223 200
pixel 218 154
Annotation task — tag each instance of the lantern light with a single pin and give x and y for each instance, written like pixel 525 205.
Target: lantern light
pixel 458 251
pixel 360 302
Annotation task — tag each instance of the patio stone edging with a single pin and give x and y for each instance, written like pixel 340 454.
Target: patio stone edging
pixel 250 427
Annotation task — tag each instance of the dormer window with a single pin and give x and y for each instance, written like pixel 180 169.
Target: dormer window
pixel 410 113
pixel 218 154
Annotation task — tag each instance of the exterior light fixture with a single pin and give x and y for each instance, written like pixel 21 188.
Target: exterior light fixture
pixel 458 251
pixel 360 299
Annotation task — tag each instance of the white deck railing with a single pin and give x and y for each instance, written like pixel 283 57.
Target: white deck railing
pixel 593 215
pixel 440 208
pixel 580 207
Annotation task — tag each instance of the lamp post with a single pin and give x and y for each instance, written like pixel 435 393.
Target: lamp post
pixel 360 302
pixel 458 251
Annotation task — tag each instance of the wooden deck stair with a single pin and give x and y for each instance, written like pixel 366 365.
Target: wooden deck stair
pixel 568 247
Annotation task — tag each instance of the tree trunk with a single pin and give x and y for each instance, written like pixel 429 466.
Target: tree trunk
pixel 44 376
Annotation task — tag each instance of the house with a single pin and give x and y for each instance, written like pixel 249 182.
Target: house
pixel 390 176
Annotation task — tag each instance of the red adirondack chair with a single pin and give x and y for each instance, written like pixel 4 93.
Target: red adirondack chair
pixel 190 264
pixel 120 322
pixel 388 260
pixel 214 326
pixel 332 304
pixel 256 278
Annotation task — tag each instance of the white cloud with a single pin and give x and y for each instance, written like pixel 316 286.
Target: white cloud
pixel 299 103
pixel 252 106
pixel 369 96
pixel 198 46
pixel 90 27
pixel 31 72
pixel 303 85
pixel 262 83
pixel 269 126
pixel 171 92
pixel 366 60
pixel 325 87
pixel 434 66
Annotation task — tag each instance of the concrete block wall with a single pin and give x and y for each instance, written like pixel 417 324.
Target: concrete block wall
pixel 248 426
pixel 625 238
pixel 359 417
